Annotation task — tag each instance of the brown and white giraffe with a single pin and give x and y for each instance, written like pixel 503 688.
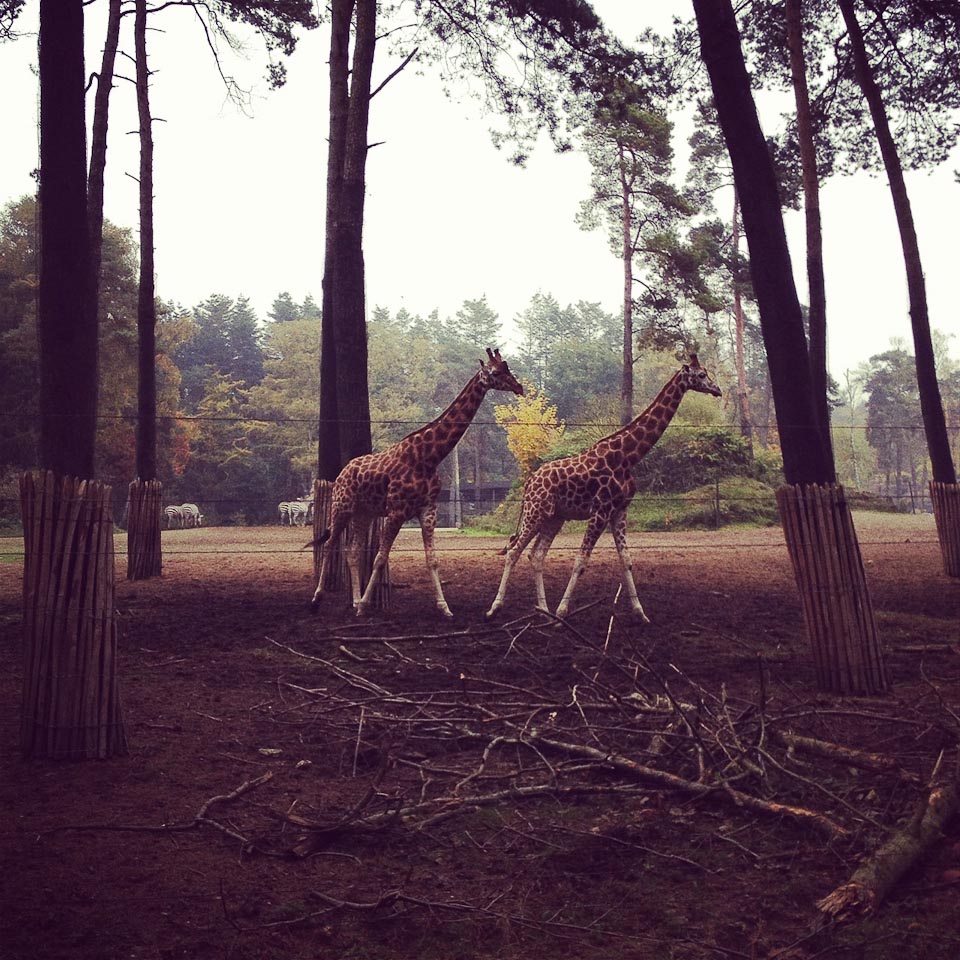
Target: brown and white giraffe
pixel 595 485
pixel 402 483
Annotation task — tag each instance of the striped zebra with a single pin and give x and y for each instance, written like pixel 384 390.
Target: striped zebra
pixel 283 512
pixel 173 517
pixel 301 512
pixel 192 517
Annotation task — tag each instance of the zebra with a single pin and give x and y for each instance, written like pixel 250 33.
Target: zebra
pixel 283 512
pixel 301 512
pixel 192 517
pixel 173 516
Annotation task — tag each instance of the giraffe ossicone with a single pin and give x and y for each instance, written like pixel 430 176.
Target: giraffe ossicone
pixel 401 484
pixel 596 485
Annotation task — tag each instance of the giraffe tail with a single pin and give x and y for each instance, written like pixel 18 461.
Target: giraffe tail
pixel 319 542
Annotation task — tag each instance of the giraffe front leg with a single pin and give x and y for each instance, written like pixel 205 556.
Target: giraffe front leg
pixel 391 528
pixel 618 527
pixel 428 524
pixel 594 529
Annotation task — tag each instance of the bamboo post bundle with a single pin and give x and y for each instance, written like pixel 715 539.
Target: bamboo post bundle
pixel 946 511
pixel 71 704
pixel 338 575
pixel 828 568
pixel 145 509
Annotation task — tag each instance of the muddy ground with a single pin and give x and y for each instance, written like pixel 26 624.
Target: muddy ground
pixel 306 786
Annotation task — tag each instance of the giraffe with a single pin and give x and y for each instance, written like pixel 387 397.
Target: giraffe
pixel 402 483
pixel 595 485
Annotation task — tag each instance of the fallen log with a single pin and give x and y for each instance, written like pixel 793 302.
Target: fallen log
pixel 874 879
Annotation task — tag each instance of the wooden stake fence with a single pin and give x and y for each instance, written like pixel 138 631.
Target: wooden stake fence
pixel 946 510
pixel 828 568
pixel 71 704
pixel 144 511
pixel 338 575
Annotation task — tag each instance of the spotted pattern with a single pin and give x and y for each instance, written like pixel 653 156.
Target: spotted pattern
pixel 401 484
pixel 596 485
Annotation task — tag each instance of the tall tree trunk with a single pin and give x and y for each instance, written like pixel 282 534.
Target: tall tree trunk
pixel 98 151
pixel 350 315
pixel 330 458
pixel 344 392
pixel 626 386
pixel 811 207
pixel 931 404
pixel 70 705
pixel 144 555
pixel 944 488
pixel 806 458
pixel 146 302
pixel 816 518
pixel 743 394
pixel 67 324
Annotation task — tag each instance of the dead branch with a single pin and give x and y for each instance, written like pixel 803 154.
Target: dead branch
pixel 847 755
pixel 873 881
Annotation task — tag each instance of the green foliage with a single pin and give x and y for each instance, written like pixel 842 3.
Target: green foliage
pixel 686 456
pixel 734 500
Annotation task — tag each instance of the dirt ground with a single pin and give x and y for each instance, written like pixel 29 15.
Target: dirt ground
pixel 405 787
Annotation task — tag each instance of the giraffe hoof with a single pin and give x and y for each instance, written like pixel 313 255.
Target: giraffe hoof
pixel 314 605
pixel 490 614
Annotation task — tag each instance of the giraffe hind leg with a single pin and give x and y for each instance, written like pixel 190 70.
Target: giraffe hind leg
pixel 515 548
pixel 330 538
pixel 391 528
pixel 594 529
pixel 538 556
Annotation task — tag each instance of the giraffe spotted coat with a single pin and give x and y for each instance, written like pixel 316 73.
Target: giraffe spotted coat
pixel 596 485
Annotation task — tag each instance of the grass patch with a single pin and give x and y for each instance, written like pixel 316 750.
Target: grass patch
pixel 737 500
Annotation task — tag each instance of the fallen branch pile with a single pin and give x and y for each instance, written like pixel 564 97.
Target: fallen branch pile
pixel 449 741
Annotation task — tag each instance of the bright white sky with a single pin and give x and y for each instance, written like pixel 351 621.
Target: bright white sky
pixel 240 200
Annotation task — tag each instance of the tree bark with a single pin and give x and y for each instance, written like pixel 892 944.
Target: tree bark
pixel 806 458
pixel 146 302
pixel 743 394
pixel 931 404
pixel 330 459
pixel 67 324
pixel 98 153
pixel 817 291
pixel 344 392
pixel 825 552
pixel 626 386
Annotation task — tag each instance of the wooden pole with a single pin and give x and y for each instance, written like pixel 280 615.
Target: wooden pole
pixel 71 704
pixel 144 555
pixel 828 568
pixel 946 511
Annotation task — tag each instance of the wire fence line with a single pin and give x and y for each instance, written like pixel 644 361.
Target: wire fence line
pixel 479 422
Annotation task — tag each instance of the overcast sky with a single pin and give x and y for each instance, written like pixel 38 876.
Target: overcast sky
pixel 240 199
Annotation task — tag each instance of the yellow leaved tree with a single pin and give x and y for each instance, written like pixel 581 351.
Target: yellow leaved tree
pixel 532 426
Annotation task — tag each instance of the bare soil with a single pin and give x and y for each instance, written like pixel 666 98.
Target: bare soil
pixel 532 852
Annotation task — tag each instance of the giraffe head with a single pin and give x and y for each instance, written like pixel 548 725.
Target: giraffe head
pixel 693 377
pixel 496 375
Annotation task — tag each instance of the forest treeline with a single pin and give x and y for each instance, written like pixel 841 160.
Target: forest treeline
pixel 237 394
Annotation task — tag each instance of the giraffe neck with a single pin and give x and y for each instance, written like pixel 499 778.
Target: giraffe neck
pixel 639 436
pixel 438 438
